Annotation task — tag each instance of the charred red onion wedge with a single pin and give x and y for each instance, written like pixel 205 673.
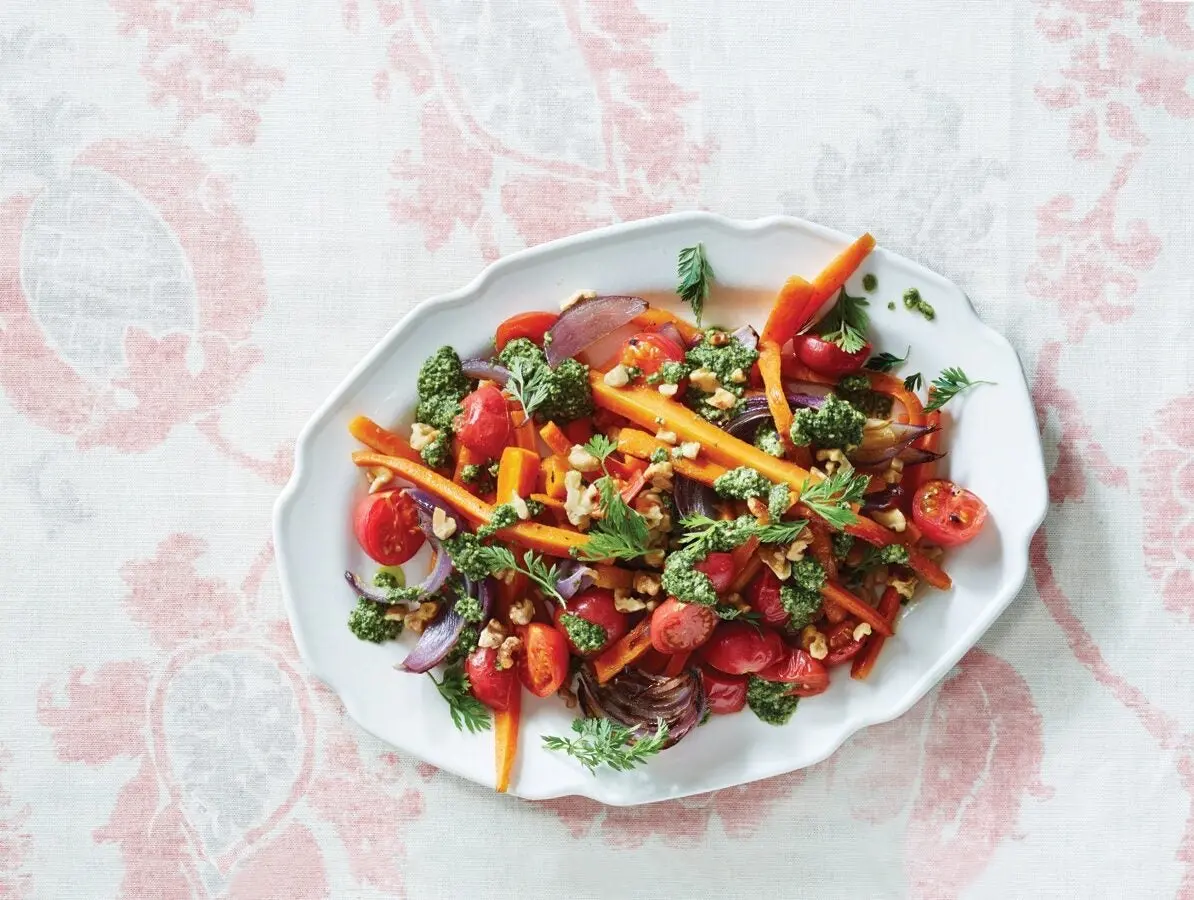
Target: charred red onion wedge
pixel 438 638
pixel 587 321
pixel 479 368
pixel 672 333
pixel 693 498
pixel 886 442
pixel 755 411
pixel 575 578
pixel 747 336
pixel 638 699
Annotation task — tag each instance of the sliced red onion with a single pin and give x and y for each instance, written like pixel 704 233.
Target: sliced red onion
pixel 672 333
pixel 881 500
pixel 755 410
pixel 427 504
pixel 438 638
pixel 575 579
pixel 881 444
pixel 638 699
pixel 480 368
pixel 361 589
pixel 588 321
pixel 693 498
pixel 747 336
pixel 914 456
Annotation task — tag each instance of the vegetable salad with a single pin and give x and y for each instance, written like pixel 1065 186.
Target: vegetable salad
pixel 707 521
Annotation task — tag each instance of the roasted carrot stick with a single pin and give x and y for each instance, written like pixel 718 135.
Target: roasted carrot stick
pixel 523 434
pixel 629 647
pixel 641 445
pixel 518 470
pixel 773 385
pixel 792 303
pixel 889 605
pixel 654 317
pixel 856 607
pixel 505 739
pixel 552 471
pixel 834 276
pixel 542 538
pixel 555 439
pixel 465 457
pixel 612 577
pixel 380 439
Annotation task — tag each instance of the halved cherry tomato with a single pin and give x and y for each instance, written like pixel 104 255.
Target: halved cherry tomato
pixel 387 527
pixel 720 569
pixel 763 596
pixel 530 325
pixel 807 676
pixel 724 693
pixel 649 351
pixel 494 687
pixel 484 424
pixel 737 648
pixel 947 514
pixel 594 605
pixel 828 358
pixel 842 646
pixel 543 665
pixel 681 627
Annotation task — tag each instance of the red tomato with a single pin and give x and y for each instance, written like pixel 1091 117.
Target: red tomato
pixel 763 596
pixel 648 351
pixel 594 605
pixel 530 325
pixel 681 627
pixel 842 646
pixel 737 648
pixel 947 514
pixel 387 527
pixel 724 693
pixel 720 569
pixel 828 358
pixel 492 686
pixel 484 424
pixel 807 676
pixel 543 665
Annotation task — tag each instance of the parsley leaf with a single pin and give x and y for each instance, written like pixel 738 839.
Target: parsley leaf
pixel 529 384
pixel 913 382
pixel 846 323
pixel 693 275
pixel 780 532
pixel 603 742
pixel 885 362
pixel 499 559
pixel 830 499
pixel 466 710
pixel 600 447
pixel 948 385
pixel 619 534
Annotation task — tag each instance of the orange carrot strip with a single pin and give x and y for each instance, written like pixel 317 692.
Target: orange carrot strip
pixel 550 502
pixel 611 577
pixel 743 552
pixel 505 740
pixel 518 471
pixel 834 276
pixel 676 664
pixel 523 434
pixel 856 607
pixel 465 457
pixel 874 533
pixel 532 535
pixel 627 469
pixel 931 441
pixel 822 547
pixel 654 317
pixel 894 388
pixel 380 439
pixel 641 445
pixel 552 470
pixel 555 439
pixel 791 305
pixel 777 402
pixel 630 647
pixel 795 370
pixel 746 574
pixel 889 605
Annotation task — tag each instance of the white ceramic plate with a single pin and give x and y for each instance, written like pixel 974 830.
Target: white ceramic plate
pixel 994 449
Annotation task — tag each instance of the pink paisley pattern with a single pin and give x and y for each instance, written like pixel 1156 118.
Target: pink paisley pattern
pixel 146 293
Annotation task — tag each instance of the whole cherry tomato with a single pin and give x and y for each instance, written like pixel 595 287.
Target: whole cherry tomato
pixel 387 527
pixel 807 676
pixel 828 358
pixel 594 605
pixel 529 325
pixel 720 569
pixel 681 627
pixel 842 646
pixel 492 686
pixel 947 514
pixel 724 693
pixel 649 351
pixel 738 648
pixel 763 596
pixel 484 423
pixel 543 665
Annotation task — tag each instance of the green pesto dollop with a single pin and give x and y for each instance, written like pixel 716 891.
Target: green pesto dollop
pixel 723 355
pixel 767 439
pixel 503 516
pixel 441 384
pixel 586 636
pixel 369 623
pixel 869 282
pixel 856 390
pixel 837 424
pixel 569 396
pixel 669 373
pixel 779 498
pixel 741 483
pixel 770 700
pixel 916 303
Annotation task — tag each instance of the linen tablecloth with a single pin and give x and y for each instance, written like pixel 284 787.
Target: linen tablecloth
pixel 210 209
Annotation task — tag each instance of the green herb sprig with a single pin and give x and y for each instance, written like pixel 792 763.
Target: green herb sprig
pixel 529 384
pixel 885 362
pixel 602 742
pixel 621 533
pixel 830 499
pixel 499 559
pixel 948 385
pixel 693 277
pixel 847 322
pixel 468 713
